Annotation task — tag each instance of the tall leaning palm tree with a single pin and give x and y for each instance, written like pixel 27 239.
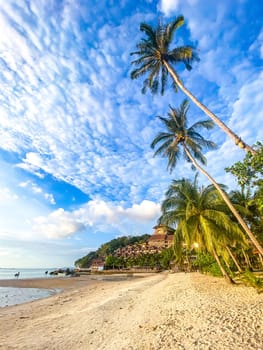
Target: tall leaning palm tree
pixel 179 140
pixel 201 218
pixel 157 59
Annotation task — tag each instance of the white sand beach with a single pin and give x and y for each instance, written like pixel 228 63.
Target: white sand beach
pixel 161 311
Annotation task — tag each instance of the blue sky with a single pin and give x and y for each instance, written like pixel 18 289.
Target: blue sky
pixel 76 165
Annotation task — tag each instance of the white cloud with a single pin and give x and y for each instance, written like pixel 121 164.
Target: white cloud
pixel 58 224
pixel 97 215
pixel 24 184
pixel 168 6
pixel 144 211
pixel 50 198
pixel 247 111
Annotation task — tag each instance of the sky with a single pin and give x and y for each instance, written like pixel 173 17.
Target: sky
pixel 76 165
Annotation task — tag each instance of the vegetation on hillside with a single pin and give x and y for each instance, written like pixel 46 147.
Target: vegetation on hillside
pixel 108 248
pixel 158 261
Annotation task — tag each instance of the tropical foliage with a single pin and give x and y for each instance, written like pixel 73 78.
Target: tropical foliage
pixel 206 264
pixel 109 247
pixel 247 204
pixel 202 220
pixel 249 171
pixel 178 139
pixel 249 174
pixel 86 260
pixel 178 134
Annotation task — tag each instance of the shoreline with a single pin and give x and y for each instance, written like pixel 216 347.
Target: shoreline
pixel 160 311
pixel 25 290
pixel 67 283
pixel 46 283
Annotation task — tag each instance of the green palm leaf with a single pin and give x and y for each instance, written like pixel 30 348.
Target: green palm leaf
pixel 199 217
pixel 178 134
pixel 154 49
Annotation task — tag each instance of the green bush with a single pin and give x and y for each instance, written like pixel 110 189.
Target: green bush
pixel 214 270
pixel 207 264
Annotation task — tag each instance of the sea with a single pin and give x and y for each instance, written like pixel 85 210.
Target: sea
pixel 12 295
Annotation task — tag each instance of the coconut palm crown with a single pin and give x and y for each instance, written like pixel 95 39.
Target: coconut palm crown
pixel 201 219
pixel 157 59
pixel 179 134
pixel 154 50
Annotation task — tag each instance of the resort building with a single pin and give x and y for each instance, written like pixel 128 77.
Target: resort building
pixel 161 238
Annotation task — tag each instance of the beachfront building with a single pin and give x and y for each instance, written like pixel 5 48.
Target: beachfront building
pixel 97 265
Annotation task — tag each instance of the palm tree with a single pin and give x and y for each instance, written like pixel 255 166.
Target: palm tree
pixel 192 143
pixel 156 58
pixel 244 201
pixel 201 219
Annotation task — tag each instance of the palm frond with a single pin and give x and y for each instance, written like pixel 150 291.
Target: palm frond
pixel 147 58
pixel 206 124
pixel 162 136
pixel 182 54
pixel 148 30
pixel 200 141
pixel 172 27
pixel 136 73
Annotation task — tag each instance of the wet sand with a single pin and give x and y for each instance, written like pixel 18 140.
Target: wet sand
pixel 64 283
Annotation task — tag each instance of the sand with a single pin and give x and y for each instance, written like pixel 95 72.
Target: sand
pixel 161 311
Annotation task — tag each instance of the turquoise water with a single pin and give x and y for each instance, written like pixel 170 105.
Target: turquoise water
pixel 12 296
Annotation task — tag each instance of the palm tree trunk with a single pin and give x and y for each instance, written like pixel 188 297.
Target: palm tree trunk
pixel 217 121
pixel 227 201
pixel 234 259
pixel 247 260
pixel 223 271
pixel 227 264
